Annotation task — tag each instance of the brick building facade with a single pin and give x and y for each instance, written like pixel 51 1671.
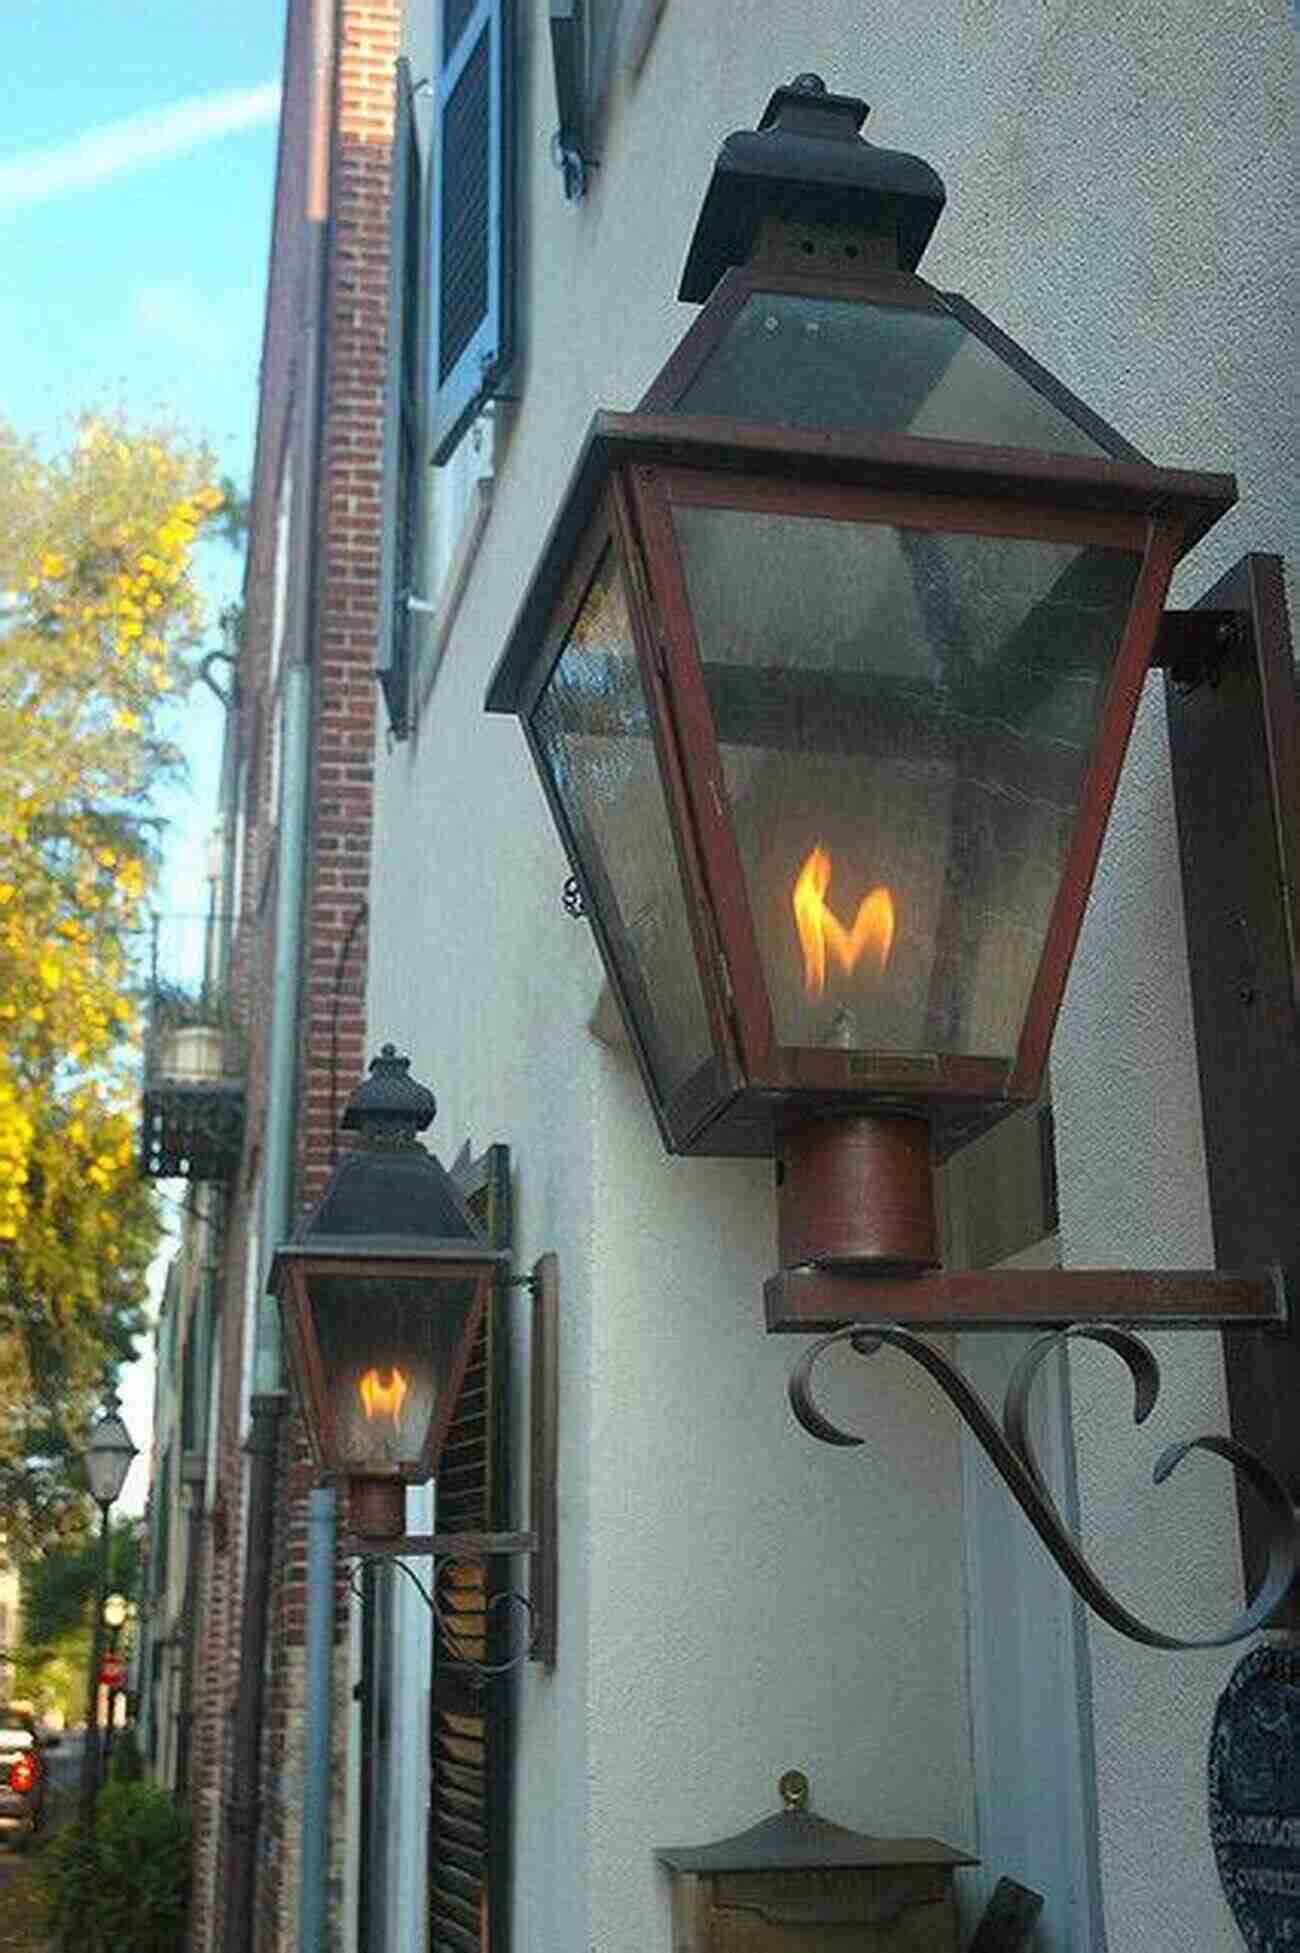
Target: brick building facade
pixel 311 597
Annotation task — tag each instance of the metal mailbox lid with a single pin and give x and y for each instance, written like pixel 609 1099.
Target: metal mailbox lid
pixel 796 1839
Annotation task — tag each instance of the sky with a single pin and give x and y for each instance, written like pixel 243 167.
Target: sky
pixel 137 160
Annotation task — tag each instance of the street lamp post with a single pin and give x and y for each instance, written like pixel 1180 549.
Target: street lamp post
pixel 114 1612
pixel 108 1460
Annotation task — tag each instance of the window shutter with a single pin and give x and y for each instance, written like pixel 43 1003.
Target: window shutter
pixel 470 326
pixel 469 1814
pixel 400 491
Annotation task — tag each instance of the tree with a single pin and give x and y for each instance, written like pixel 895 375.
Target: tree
pixel 100 612
pixel 59 1595
pixel 59 1584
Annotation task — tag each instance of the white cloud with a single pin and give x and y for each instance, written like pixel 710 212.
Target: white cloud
pixel 134 142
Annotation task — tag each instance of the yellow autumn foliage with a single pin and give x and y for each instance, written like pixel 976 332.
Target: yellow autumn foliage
pixel 90 542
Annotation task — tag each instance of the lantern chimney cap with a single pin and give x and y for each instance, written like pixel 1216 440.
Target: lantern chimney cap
pixel 389 1104
pixel 806 163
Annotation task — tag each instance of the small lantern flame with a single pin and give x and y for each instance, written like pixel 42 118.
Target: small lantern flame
pixel 380 1399
pixel 820 929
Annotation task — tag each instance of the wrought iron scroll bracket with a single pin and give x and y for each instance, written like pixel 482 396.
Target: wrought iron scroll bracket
pixel 480 1672
pixel 539 1542
pixel 1010 1449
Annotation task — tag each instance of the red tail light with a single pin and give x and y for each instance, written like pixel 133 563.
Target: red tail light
pixel 22 1775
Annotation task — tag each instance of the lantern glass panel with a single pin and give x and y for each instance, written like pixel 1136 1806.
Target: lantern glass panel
pixel 802 361
pixel 905 720
pixel 387 1346
pixel 593 732
pixel 108 1460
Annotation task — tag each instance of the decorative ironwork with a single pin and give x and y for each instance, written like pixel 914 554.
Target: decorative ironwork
pixel 451 1631
pixel 191 1132
pixel 1010 1449
pixel 192 1076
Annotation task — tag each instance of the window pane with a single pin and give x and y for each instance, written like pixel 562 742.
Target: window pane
pixel 905 720
pixel 593 727
pixel 818 362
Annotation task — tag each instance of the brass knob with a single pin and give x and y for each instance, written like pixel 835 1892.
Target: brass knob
pixel 793 1790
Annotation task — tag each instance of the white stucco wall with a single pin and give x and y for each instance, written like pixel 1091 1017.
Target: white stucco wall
pixel 734 1598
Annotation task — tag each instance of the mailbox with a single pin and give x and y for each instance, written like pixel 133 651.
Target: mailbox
pixel 795 1883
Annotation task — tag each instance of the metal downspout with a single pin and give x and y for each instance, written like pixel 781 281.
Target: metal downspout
pixel 269 1401
pixel 318 1773
pixel 318 1691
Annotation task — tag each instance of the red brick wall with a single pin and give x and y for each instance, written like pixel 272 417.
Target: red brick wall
pixel 332 1052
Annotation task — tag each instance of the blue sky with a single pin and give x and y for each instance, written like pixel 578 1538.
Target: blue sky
pixel 134 211
pixel 137 160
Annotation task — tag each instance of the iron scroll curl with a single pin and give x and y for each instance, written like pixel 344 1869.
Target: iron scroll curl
pixel 1011 1451
pixel 480 1672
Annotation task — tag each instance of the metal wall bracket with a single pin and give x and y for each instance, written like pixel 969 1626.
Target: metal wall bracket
pixel 803 1300
pixel 540 1541
pixel 1234 739
pixel 1236 778
pixel 569 60
pixel 1010 1449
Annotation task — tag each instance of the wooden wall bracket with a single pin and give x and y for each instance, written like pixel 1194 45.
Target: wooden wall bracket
pixel 813 1300
pixel 1233 754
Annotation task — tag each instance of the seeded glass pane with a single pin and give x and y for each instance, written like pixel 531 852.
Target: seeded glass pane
pixel 386 1348
pixel 593 727
pixel 905 721
pixel 819 362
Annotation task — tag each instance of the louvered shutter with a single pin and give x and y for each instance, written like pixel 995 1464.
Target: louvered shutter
pixel 469 1789
pixel 400 491
pixel 470 325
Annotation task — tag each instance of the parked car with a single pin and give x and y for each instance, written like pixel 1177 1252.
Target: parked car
pixel 23 1775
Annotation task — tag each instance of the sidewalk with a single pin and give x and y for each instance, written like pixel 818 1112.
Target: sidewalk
pixel 21 1910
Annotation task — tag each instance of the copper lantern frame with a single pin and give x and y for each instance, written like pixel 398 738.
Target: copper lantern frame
pixel 635 469
pixel 297 1266
pixel 392 1214
pixel 855 1131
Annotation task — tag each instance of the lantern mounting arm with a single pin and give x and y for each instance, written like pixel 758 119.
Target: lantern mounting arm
pixel 438 1546
pixel 1010 1449
pixel 807 1299
pixel 481 1671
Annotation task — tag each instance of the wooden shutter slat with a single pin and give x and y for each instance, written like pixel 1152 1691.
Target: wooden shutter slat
pixel 470 1733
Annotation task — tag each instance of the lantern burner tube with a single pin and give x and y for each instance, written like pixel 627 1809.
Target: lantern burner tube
pixel 857 1193
pixel 377 1507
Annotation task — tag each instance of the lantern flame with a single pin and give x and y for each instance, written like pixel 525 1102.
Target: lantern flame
pixel 380 1399
pixel 820 929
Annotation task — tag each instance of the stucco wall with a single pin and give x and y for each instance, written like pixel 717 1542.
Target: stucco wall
pixel 733 1598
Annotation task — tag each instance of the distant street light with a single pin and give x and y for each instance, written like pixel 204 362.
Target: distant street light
pixel 108 1460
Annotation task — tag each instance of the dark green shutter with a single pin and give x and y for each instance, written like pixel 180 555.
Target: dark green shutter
pixel 400 492
pixel 470 323
pixel 469 1812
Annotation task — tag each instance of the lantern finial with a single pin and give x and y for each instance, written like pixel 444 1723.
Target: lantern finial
pixel 389 1106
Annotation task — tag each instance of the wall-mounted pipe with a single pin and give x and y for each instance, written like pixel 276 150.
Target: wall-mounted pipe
pixel 318 1775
